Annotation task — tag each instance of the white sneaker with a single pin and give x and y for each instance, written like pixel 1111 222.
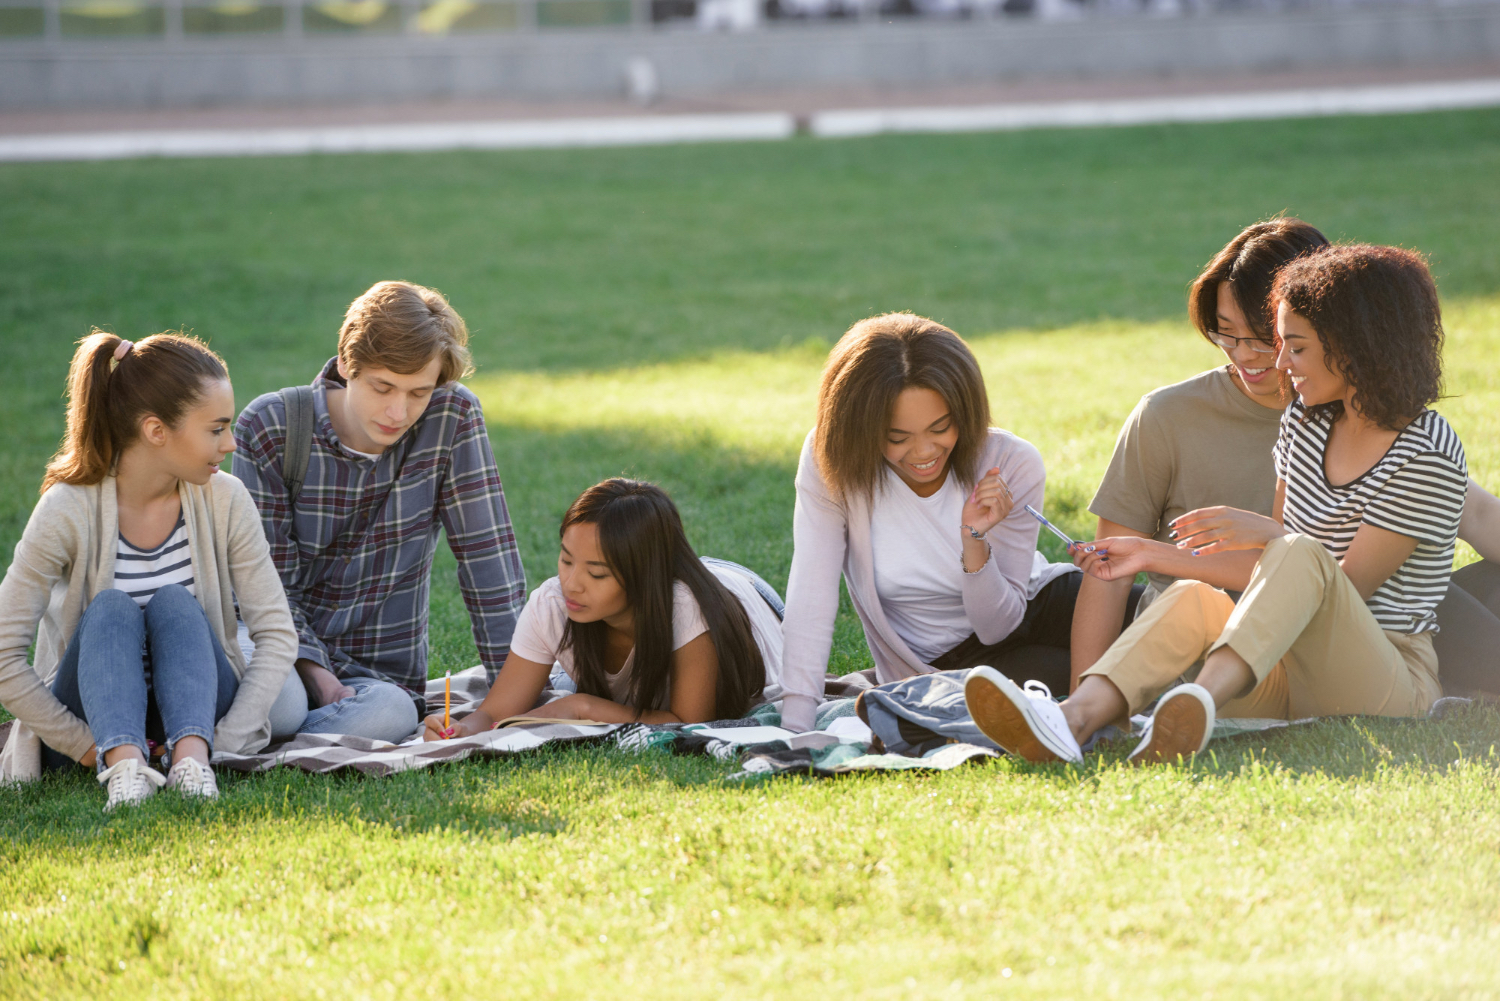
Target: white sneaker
pixel 1180 727
pixel 130 781
pixel 193 778
pixel 1027 723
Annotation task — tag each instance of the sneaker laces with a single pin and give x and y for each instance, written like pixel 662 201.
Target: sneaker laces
pixel 193 778
pixel 1037 690
pixel 129 781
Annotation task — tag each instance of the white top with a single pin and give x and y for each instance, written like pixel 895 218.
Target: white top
pixel 539 630
pixel 918 568
pixel 140 573
pixel 918 564
pixel 1416 489
pixel 831 538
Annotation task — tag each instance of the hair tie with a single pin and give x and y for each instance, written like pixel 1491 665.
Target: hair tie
pixel 123 349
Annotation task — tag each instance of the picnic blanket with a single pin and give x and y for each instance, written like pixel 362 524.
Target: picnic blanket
pixel 840 744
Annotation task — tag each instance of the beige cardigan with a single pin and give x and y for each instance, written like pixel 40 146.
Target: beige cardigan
pixel 832 538
pixel 66 556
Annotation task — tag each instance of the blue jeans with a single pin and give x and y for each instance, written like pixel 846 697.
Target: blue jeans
pixel 378 710
pixel 102 676
pixel 758 582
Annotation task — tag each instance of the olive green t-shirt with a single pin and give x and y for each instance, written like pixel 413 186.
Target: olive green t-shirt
pixel 1192 444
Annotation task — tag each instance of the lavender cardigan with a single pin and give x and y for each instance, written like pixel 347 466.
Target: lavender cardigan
pixel 832 537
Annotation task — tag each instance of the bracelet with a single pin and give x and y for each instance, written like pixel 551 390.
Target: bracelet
pixel 988 552
pixel 977 535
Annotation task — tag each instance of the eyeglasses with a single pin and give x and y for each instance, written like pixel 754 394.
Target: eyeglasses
pixel 1229 342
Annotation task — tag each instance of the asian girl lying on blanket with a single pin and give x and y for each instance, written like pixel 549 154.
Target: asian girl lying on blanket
pixel 648 631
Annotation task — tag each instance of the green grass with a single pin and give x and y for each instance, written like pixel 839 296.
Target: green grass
pixel 664 312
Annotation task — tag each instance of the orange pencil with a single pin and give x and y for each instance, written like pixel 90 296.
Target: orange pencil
pixel 447 697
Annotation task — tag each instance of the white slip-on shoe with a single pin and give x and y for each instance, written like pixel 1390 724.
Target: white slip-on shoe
pixel 1026 722
pixel 130 781
pixel 1180 727
pixel 193 778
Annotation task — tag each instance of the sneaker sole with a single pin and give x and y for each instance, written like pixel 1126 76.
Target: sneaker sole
pixel 1179 729
pixel 1002 720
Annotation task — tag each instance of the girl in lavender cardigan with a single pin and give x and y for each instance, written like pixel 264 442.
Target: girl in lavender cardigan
pixel 905 490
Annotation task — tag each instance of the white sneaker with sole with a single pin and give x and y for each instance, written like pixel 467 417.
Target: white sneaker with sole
pixel 193 778
pixel 1026 722
pixel 130 781
pixel 1180 727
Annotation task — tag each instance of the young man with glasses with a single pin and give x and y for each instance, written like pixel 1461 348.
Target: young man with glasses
pixel 1200 442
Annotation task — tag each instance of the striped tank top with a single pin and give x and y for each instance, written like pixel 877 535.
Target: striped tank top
pixel 140 573
pixel 1416 489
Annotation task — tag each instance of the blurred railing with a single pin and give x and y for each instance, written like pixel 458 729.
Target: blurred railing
pixel 66 20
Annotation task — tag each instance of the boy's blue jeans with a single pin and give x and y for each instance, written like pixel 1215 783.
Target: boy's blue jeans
pixel 102 675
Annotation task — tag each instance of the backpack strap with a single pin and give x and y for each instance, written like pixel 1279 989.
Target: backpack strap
pixel 300 416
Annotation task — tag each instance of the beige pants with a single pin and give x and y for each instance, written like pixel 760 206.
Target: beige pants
pixel 1314 646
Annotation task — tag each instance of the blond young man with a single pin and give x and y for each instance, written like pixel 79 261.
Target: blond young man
pixel 398 451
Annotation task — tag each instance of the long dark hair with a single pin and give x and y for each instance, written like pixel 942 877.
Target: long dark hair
pixel 1376 313
pixel 162 375
pixel 641 535
pixel 867 369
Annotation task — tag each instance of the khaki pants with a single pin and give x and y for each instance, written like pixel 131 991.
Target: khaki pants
pixel 1314 646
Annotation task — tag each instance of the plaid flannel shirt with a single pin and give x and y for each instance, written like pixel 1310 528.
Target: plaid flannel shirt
pixel 355 555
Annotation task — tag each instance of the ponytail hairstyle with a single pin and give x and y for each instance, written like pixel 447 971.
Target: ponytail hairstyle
pixel 160 376
pixel 641 535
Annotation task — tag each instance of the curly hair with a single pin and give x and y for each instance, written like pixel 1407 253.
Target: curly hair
pixel 1376 313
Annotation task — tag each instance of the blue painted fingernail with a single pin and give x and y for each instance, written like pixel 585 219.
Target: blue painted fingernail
pixel 1195 552
pixel 1088 549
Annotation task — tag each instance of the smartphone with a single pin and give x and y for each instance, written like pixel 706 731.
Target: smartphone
pixel 1048 525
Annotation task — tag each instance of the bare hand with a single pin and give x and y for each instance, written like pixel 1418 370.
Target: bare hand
pixel 1222 529
pixel 90 759
pixel 989 503
pixel 323 683
pixel 1118 558
pixel 475 722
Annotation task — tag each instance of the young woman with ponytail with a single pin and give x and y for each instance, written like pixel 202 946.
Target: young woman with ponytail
pixel 131 564
pixel 647 630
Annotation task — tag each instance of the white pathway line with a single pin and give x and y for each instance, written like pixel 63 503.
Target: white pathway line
pixel 1379 100
pixel 640 130
pixel 643 130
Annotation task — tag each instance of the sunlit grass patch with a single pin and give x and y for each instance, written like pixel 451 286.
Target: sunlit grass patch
pixel 1066 390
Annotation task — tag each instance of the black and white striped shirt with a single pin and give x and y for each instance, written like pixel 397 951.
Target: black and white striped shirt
pixel 1416 489
pixel 140 573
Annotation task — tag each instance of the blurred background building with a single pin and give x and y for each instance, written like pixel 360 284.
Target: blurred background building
pixel 155 54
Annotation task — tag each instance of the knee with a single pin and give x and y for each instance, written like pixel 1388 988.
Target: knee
pixel 1208 600
pixel 170 599
pixel 389 710
pixel 114 605
pixel 290 708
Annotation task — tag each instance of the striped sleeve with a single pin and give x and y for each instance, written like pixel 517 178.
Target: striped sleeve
pixel 1424 499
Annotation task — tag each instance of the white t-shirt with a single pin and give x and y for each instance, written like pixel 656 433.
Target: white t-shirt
pixel 918 562
pixel 539 631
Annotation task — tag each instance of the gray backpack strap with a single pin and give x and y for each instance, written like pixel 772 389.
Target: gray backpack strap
pixel 299 435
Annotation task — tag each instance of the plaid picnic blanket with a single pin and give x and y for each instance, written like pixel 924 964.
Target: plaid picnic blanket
pixel 838 746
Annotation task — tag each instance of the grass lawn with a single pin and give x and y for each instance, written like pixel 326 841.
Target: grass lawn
pixel 664 313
